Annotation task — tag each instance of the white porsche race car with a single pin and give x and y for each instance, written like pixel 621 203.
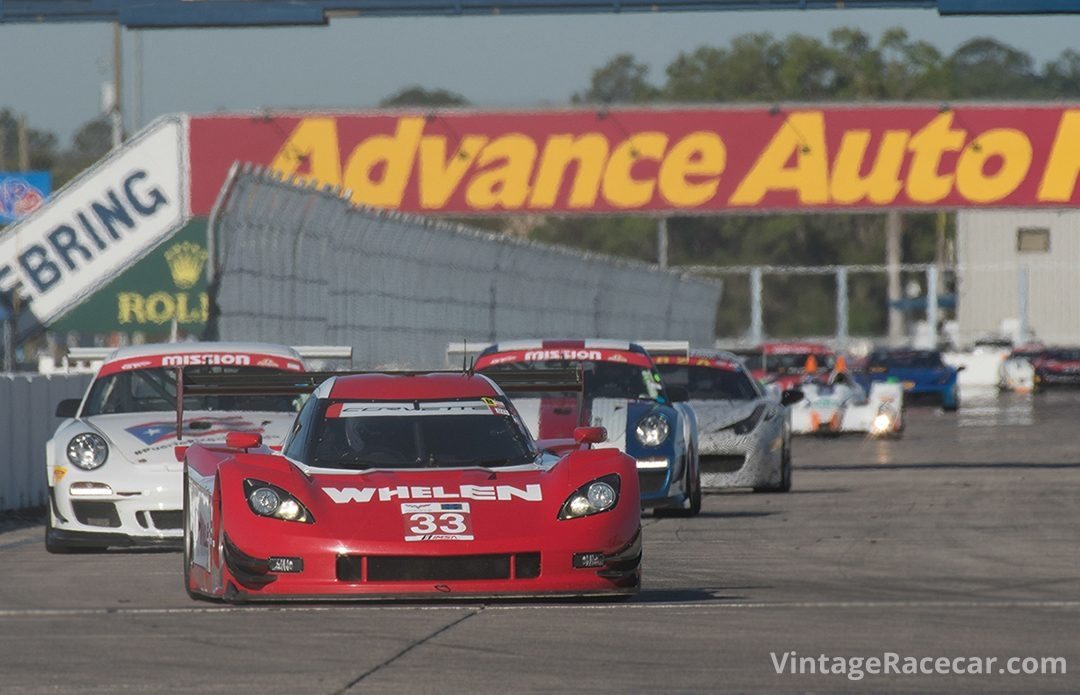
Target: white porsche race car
pixel 744 435
pixel 836 405
pixel 112 469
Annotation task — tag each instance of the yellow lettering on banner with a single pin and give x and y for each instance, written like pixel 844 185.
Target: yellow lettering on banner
pixel 925 183
pixel 160 307
pixel 1014 149
pixel 588 152
pixel 313 145
pixel 1063 166
pixel 802 136
pixel 620 187
pixel 507 184
pixel 129 308
pixel 700 154
pixel 379 167
pixel 882 184
pixel 440 176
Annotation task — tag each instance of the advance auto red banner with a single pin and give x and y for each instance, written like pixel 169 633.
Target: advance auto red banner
pixel 691 160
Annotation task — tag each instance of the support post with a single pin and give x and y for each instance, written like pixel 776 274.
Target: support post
pixel 662 242
pixel 24 144
pixel 841 305
pixel 932 304
pixel 137 80
pixel 116 113
pixel 757 323
pixel 893 226
pixel 7 329
pixel 1022 288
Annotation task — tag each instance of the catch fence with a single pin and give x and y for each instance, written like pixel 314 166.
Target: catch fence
pixel 295 264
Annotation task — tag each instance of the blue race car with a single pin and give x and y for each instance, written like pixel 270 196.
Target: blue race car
pixel 922 372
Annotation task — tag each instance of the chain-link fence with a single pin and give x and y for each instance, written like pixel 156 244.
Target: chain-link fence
pixel 298 265
pixel 1019 300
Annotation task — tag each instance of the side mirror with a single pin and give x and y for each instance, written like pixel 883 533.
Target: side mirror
pixel 961 368
pixel 790 397
pixel 678 394
pixel 590 435
pixel 243 440
pixel 68 407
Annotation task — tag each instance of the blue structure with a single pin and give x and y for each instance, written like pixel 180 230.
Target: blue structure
pixel 164 14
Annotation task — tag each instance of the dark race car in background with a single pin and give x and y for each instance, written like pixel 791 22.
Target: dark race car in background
pixel 1058 366
pixel 922 373
pixel 408 484
pixel 623 393
pixel 784 365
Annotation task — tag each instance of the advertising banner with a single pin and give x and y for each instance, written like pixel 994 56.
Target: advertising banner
pixel 692 160
pixel 167 285
pixel 21 193
pixel 110 217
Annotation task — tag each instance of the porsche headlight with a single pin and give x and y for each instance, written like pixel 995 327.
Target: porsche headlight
pixel 87 451
pixel 598 496
pixel 269 500
pixel 652 430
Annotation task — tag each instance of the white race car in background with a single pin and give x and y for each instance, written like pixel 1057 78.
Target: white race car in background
pixel 113 475
pixel 744 435
pixel 836 404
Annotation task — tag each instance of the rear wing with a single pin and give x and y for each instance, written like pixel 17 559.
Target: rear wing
pixel 324 352
pixel 666 348
pixel 511 381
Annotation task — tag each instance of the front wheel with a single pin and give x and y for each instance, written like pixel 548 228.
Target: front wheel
pixel 692 485
pixel 785 473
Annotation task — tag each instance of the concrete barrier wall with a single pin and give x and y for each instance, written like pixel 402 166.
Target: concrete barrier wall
pixel 27 420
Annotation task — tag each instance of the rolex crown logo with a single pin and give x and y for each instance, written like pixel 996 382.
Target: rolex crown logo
pixel 186 261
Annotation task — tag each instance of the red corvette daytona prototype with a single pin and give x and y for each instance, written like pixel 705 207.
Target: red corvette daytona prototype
pixel 425 485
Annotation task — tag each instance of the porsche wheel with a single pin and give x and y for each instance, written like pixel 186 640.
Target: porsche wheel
pixel 692 503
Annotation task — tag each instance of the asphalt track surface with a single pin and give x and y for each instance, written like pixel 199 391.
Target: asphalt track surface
pixel 959 540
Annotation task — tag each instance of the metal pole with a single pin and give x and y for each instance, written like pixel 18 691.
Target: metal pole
pixel 24 145
pixel 116 114
pixel 932 304
pixel 842 305
pixel 662 242
pixel 9 345
pixel 137 81
pixel 3 146
pixel 757 324
pixel 893 226
pixel 1022 289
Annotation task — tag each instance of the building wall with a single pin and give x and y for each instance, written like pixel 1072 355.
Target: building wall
pixel 991 274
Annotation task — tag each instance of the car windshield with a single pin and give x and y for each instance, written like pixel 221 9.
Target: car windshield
pixel 154 391
pixel 794 362
pixel 447 434
pixel 605 379
pixel 710 383
pixel 905 360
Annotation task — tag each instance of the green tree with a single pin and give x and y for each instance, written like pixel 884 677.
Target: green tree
pixel 421 96
pixel 621 80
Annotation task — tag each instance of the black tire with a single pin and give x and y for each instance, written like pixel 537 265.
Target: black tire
pixel 693 498
pixel 954 407
pixel 785 473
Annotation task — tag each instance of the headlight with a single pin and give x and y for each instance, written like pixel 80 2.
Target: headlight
pixel 652 430
pixel 87 451
pixel 599 496
pixel 269 500
pixel 747 426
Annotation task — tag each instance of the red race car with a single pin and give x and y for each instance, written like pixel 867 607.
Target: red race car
pixel 407 484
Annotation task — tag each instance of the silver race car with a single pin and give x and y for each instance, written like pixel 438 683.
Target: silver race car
pixel 744 435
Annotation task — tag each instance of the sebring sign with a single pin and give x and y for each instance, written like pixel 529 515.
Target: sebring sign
pixel 106 220
pixel 657 160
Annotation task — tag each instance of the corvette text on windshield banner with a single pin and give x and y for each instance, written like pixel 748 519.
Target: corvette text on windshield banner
pixel 655 160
